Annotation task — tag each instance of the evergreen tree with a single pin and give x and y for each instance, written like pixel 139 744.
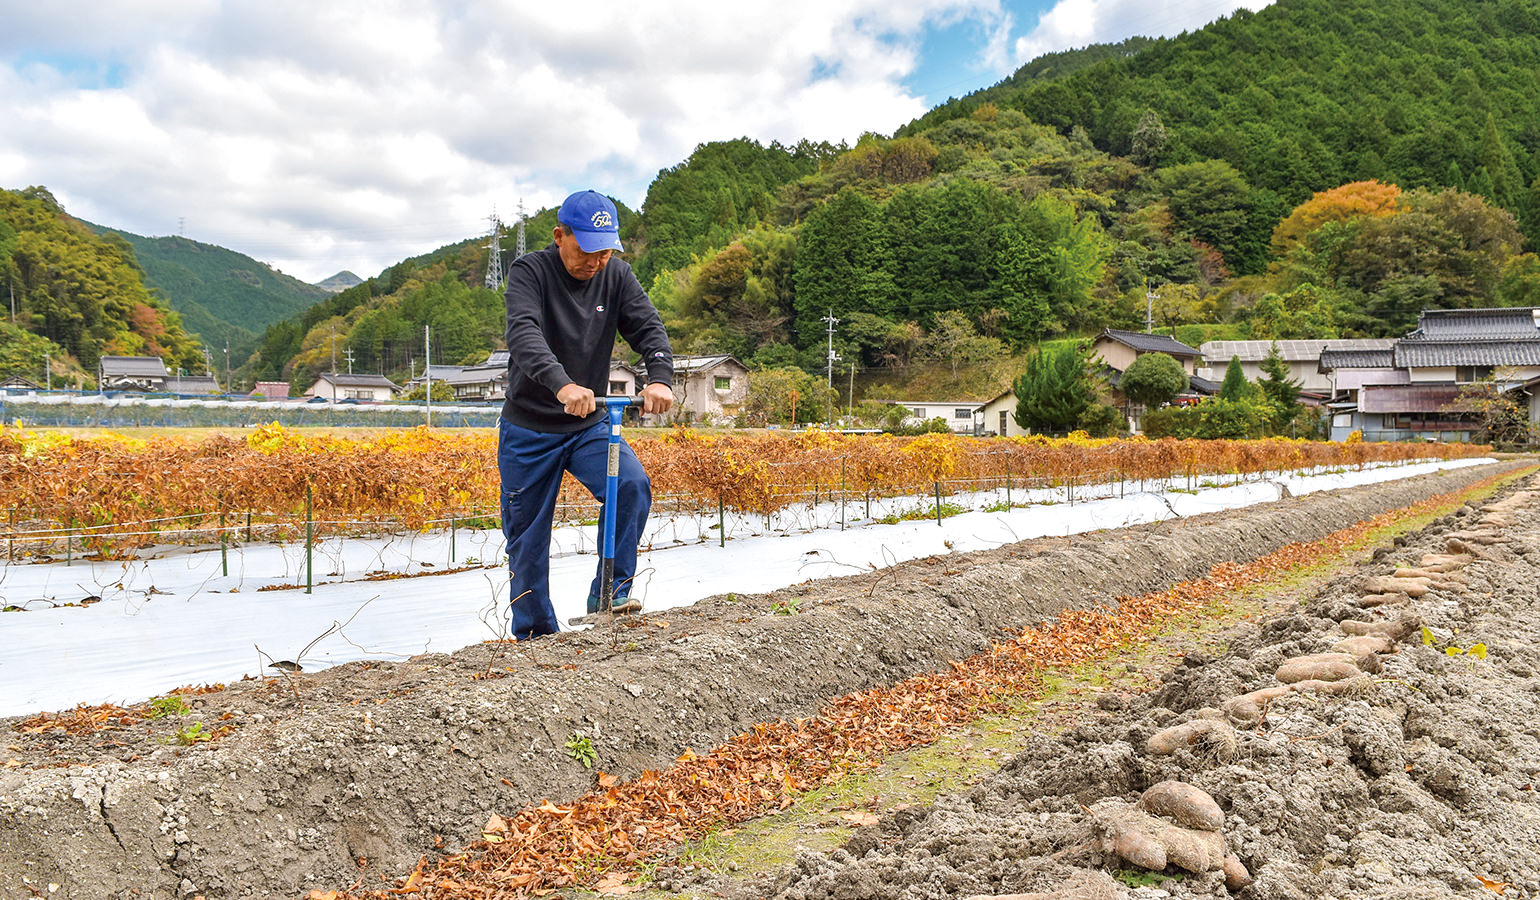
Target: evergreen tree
pixel 1235 386
pixel 1279 391
pixel 1056 389
pixel 1149 139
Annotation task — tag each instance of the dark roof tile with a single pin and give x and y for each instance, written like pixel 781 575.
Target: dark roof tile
pixel 1151 343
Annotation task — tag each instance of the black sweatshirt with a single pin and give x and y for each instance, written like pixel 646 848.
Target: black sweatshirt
pixel 561 331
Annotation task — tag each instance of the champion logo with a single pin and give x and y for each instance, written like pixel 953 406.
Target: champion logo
pixel 599 308
pixel 602 219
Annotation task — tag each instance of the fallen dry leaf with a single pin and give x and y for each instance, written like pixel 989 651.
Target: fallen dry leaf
pixel 613 885
pixel 1496 887
pixel 859 819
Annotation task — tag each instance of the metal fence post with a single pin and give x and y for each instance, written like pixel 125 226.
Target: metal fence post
pixel 309 537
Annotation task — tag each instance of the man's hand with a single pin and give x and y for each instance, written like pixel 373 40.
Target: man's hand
pixel 657 397
pixel 577 400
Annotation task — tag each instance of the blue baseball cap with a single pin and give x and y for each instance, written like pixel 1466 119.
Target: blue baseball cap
pixel 593 221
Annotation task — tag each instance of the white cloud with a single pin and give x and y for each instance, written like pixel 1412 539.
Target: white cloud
pixel 318 136
pixel 345 134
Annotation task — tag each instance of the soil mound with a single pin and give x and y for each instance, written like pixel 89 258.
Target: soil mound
pixel 319 779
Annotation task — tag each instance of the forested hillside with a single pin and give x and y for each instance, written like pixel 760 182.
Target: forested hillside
pixel 223 296
pixel 381 319
pixel 1306 95
pixel 76 296
pixel 1091 182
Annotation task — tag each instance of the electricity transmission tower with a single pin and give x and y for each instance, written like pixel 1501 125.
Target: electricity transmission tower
pixel 520 251
pixel 494 255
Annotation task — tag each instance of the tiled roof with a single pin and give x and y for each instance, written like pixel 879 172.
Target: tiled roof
pixel 359 380
pixel 1151 343
pixel 701 363
pixel 1203 385
pixel 1220 352
pixel 476 375
pixel 1507 323
pixel 192 384
pixel 133 366
pixel 1357 359
pixel 1468 352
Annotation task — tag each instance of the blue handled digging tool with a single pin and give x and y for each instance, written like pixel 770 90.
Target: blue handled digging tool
pixel 614 407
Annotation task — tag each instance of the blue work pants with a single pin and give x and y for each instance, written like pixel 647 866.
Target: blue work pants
pixel 531 464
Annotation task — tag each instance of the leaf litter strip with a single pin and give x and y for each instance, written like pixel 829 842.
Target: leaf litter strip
pixel 600 837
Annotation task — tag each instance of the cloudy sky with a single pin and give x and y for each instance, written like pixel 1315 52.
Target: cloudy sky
pixel 320 136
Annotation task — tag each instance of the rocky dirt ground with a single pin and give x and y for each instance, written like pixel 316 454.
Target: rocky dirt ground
pixel 1376 737
pixel 1396 770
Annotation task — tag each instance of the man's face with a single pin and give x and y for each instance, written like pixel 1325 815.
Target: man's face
pixel 580 265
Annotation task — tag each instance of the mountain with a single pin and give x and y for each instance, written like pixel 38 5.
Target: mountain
pixel 1307 95
pixel 339 282
pixel 222 295
pixel 81 293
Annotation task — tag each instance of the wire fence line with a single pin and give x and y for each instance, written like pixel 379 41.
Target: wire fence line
pixel 73 409
pixel 685 518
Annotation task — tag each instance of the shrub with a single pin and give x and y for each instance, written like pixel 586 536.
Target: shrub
pixel 1153 380
pixel 1102 421
pixel 1212 419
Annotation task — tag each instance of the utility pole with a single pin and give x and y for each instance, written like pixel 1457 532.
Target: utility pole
pixel 13 300
pixel 850 398
pixel 832 357
pixel 427 372
pixel 334 351
pixel 348 355
pixel 48 369
pixel 229 388
pixel 1149 308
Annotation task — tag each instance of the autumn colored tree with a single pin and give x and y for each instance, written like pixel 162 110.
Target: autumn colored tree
pixel 1340 204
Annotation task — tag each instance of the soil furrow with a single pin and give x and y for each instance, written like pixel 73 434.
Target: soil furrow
pixel 360 770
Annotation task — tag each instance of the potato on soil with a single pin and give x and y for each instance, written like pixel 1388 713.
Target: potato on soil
pixel 1318 667
pixel 1246 710
pixel 1211 738
pixel 1184 804
pixel 1395 631
pixel 1363 645
pixel 1236 876
pixel 1386 584
pixel 1140 839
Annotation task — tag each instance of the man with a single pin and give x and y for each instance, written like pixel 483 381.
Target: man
pixel 565 305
